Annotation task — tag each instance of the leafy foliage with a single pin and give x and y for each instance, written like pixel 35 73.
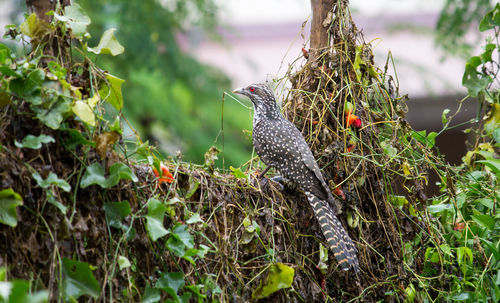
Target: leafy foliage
pixel 455 21
pixel 465 250
pixel 172 99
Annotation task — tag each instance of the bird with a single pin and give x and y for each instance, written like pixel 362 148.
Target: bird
pixel 282 146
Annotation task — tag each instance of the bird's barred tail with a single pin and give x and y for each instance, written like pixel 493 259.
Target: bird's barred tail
pixel 337 238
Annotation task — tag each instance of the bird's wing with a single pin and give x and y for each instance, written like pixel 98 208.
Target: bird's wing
pixel 308 159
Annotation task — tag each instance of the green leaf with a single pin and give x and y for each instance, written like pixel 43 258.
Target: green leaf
pixel 461 253
pixel 493 164
pixel 33 142
pixel 488 202
pixel 151 295
pixel 58 71
pixel 410 293
pixel 154 219
pixel 25 86
pixel 491 19
pixel 9 200
pixel 488 51
pixel 496 135
pixel 493 249
pixel 493 121
pixel 19 292
pixel 112 91
pixel 323 259
pixel 94 174
pixel 52 200
pixel 474 81
pixel 439 207
pixel 484 221
pixel 78 280
pixel 171 282
pixel 123 262
pixel 34 27
pixel 5 53
pixel 120 171
pixel 84 112
pixel 193 186
pixel 116 212
pixel 195 218
pixel 389 150
pixel 53 114
pixel 237 173
pixel 461 296
pixel 278 276
pixel 108 44
pixel 52 179
pixel 76 138
pixel 444 119
pixel 176 246
pixel 76 19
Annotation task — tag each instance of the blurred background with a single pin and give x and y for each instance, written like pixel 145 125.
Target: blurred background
pixel 182 55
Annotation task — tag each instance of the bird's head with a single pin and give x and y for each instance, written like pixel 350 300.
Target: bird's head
pixel 262 98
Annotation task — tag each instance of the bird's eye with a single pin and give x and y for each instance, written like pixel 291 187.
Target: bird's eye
pixel 252 89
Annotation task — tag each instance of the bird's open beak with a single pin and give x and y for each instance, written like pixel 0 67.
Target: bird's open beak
pixel 238 91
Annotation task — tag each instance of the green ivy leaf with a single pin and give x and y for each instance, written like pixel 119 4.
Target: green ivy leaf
pixel 53 114
pixel 176 246
pixel 33 142
pixel 112 91
pixel 120 171
pixel 84 112
pixel 472 79
pixel 171 282
pixel 76 138
pixel 181 232
pixel 195 218
pixel 94 174
pixel 19 292
pixel 154 219
pixel 52 179
pixel 151 295
pixel 52 200
pixel 108 44
pixel 25 86
pixel 116 212
pixel 76 19
pixel 9 200
pixel 78 280
pixel 278 276
pixel 491 19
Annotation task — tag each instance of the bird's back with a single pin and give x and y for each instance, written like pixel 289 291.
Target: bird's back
pixel 281 145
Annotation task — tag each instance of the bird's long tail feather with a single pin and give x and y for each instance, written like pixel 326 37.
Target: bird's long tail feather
pixel 337 238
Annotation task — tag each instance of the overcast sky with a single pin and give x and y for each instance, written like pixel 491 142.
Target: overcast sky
pixel 265 11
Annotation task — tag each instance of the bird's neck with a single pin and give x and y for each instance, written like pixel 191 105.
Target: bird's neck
pixel 264 112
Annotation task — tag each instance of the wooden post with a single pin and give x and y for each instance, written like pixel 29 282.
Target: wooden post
pixel 319 34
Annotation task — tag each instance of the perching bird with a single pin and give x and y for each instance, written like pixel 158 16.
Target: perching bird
pixel 281 145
